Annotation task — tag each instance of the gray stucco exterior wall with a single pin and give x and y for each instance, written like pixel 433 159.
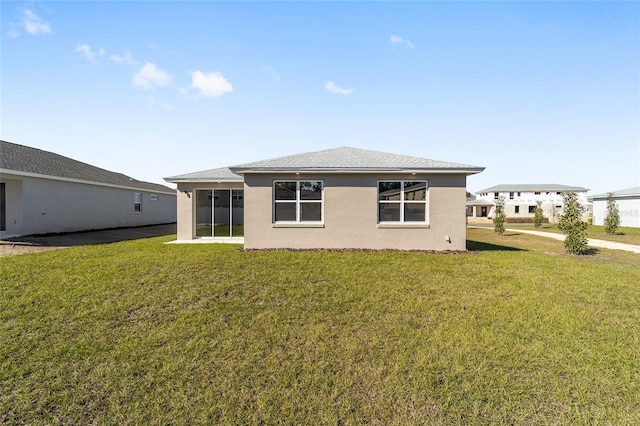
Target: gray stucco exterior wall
pixel 351 214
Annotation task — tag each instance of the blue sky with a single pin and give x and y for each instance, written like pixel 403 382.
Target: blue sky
pixel 536 92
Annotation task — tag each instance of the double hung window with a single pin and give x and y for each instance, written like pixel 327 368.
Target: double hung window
pixel 297 201
pixel 402 201
pixel 137 202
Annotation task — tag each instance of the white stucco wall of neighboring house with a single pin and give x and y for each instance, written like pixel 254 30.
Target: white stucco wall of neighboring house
pixel 628 208
pixel 42 205
pixel 521 204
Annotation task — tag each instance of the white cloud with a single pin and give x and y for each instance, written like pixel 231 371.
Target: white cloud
pixel 127 58
pixel 149 75
pixel 394 39
pixel 13 32
pixel 85 49
pixel 271 72
pixel 210 85
pixel 33 24
pixel 332 88
pixel 153 103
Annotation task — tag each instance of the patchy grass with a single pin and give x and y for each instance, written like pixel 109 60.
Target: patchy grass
pixel 144 333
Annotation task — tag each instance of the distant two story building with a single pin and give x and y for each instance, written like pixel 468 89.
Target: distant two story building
pixel 521 200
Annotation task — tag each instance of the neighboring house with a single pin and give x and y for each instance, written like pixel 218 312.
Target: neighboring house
pixel 520 200
pixel 628 201
pixel 336 198
pixel 42 192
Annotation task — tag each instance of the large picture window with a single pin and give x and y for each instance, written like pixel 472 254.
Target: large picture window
pixel 297 201
pixel 402 201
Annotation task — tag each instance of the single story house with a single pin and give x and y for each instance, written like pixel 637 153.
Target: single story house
pixel 42 192
pixel 520 200
pixel 628 201
pixel 336 198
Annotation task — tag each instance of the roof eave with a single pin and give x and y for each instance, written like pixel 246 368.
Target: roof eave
pixel 271 170
pixel 204 179
pixel 133 186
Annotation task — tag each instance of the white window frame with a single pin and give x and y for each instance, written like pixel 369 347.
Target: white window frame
pixel 298 202
pixel 402 202
pixel 137 202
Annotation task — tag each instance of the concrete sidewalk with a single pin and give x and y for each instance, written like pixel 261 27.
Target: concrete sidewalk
pixel 592 242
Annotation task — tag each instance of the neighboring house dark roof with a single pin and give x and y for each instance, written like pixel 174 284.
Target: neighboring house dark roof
pixel 32 161
pixel 349 160
pixel 536 187
pixel 629 192
pixel 221 174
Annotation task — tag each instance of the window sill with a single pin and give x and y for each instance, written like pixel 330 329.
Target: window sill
pixel 298 225
pixel 404 226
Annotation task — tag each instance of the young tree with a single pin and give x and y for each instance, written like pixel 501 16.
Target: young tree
pixel 572 225
pixel 612 221
pixel 538 215
pixel 499 217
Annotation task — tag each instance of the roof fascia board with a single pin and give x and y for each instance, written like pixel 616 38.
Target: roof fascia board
pixel 200 180
pixel 468 171
pixel 541 189
pixel 84 182
pixel 604 197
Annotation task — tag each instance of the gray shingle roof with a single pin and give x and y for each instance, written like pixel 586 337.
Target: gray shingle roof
pixel 20 158
pixel 536 187
pixel 221 174
pixel 629 192
pixel 346 159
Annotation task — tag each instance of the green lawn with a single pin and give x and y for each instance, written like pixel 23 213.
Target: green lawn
pixel 139 332
pixel 623 235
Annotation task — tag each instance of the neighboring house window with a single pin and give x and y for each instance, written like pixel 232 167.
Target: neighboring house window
pixel 519 194
pixel 536 193
pixel 137 202
pixel 297 201
pixel 517 209
pixel 496 195
pixel 511 195
pixel 402 201
pixel 532 209
pixel 3 208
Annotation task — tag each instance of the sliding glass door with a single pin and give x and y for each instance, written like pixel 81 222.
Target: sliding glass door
pixel 219 213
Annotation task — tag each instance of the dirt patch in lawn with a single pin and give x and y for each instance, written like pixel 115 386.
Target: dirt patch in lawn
pixel 39 243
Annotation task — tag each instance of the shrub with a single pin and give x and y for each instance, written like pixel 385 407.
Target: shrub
pixel 499 217
pixel 572 225
pixel 612 221
pixel 538 216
